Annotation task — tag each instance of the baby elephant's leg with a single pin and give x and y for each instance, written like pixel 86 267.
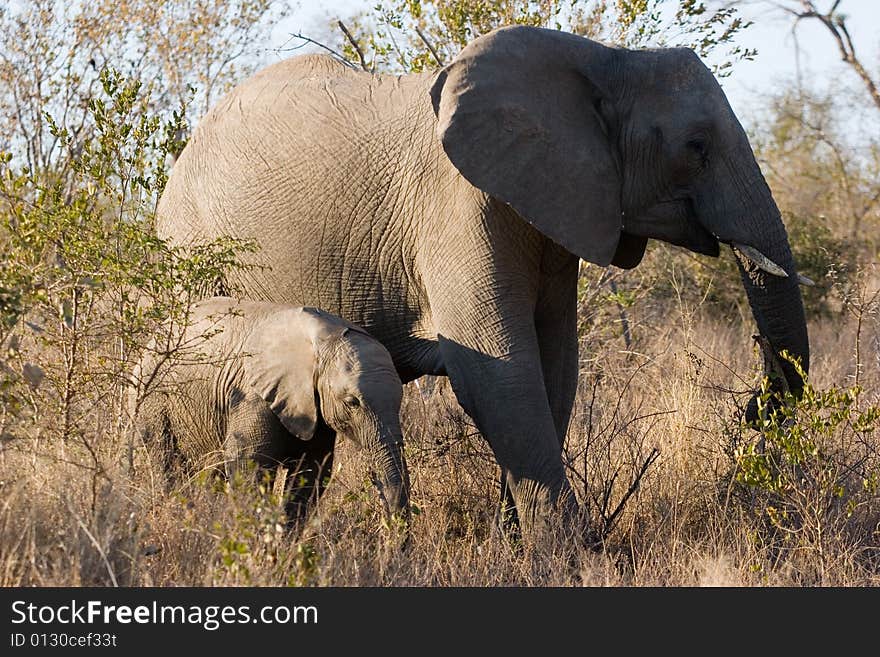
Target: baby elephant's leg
pixel 309 471
pixel 153 428
pixel 248 438
pixel 254 434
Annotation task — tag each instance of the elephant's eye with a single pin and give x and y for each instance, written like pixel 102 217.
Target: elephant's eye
pixel 700 148
pixel 351 401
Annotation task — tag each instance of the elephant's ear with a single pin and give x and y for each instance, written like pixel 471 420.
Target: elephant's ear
pixel 523 115
pixel 281 366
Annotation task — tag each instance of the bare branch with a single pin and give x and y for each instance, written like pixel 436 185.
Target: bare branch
pixel 836 25
pixel 430 47
pixel 354 44
pixel 307 40
pixel 608 522
pixel 857 65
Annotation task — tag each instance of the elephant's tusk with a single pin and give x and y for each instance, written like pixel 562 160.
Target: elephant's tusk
pixel 803 280
pixel 760 260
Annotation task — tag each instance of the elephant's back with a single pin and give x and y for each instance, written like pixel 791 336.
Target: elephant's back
pixel 292 125
pixel 318 164
pixel 302 140
pixel 312 103
pixel 285 94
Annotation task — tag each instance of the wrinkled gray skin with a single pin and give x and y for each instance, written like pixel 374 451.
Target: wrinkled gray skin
pixel 446 212
pixel 277 384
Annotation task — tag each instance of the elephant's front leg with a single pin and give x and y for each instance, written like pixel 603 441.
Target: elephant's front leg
pixel 152 428
pixel 556 330
pixel 556 327
pixel 492 357
pixel 254 434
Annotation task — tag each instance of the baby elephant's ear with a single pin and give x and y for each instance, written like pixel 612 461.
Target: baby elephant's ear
pixel 281 367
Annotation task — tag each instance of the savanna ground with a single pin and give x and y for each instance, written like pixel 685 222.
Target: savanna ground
pixel 680 491
pixel 693 520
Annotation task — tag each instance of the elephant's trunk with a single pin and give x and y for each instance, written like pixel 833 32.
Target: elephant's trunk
pixel 390 475
pixel 775 299
pixel 778 309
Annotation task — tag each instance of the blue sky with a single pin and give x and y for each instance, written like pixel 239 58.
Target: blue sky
pixel 820 61
pixel 750 82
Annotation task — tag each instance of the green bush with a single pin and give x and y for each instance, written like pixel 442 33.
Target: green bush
pixel 823 257
pixel 812 477
pixel 85 282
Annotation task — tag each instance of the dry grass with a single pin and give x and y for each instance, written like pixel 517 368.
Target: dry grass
pixel 689 523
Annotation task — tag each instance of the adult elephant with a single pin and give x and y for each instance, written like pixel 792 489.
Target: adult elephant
pixel 446 212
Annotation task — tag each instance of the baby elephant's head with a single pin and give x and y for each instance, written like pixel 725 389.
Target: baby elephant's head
pixel 359 388
pixel 310 366
pixel 360 393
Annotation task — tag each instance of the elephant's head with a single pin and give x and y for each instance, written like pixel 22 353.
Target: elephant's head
pixel 360 395
pixel 602 148
pixel 311 367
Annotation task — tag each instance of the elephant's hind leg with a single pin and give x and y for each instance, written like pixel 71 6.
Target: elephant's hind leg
pixel 504 393
pixel 556 328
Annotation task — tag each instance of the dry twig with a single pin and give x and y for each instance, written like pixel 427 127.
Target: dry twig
pixel 354 44
pixel 430 47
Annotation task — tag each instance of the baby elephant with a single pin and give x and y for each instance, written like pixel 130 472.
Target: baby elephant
pixel 276 384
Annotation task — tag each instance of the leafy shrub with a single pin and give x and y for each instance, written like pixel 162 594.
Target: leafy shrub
pixel 823 257
pixel 813 477
pixel 85 281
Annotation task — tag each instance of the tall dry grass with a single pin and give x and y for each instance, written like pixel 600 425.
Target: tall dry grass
pixel 678 389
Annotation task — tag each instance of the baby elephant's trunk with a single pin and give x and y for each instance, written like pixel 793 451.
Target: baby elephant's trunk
pixel 390 474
